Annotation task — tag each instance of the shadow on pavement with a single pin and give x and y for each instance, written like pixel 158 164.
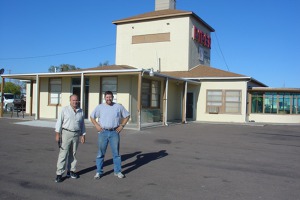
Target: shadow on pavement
pixel 141 159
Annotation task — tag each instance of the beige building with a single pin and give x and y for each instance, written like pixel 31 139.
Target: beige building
pixel 163 75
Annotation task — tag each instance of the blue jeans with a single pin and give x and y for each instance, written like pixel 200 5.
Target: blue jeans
pixel 113 138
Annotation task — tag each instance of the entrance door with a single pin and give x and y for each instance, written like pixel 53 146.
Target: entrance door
pixel 190 105
pixel 76 90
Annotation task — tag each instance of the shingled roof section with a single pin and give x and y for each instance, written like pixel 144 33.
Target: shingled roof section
pixel 108 67
pixel 161 14
pixel 202 71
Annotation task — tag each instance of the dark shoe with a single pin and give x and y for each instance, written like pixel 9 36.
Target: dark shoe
pixel 68 174
pixel 73 175
pixel 58 179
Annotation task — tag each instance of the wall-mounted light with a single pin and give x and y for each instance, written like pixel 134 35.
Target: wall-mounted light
pixel 150 70
pixel 151 73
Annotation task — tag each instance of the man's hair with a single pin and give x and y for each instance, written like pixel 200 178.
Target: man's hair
pixel 73 95
pixel 108 92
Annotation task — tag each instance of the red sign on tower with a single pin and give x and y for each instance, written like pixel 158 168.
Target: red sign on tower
pixel 201 37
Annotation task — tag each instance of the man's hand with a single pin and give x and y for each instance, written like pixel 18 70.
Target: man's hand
pixel 82 139
pixel 119 129
pixel 97 126
pixel 57 137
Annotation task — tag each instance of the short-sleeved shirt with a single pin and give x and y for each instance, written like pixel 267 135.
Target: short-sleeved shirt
pixel 70 120
pixel 109 116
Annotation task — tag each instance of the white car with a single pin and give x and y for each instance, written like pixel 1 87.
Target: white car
pixel 8 100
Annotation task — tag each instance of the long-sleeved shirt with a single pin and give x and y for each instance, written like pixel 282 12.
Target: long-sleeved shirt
pixel 70 120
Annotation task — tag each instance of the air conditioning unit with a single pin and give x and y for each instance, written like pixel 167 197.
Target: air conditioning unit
pixel 213 109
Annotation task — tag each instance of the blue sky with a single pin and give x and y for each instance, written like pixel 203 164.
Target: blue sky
pixel 258 38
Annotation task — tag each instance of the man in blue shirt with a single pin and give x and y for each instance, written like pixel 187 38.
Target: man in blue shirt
pixel 109 115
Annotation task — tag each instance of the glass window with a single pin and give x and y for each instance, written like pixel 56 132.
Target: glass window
pixel 214 98
pixel 295 103
pixel 223 101
pixel 232 101
pixel 150 94
pixel 270 103
pixel 155 91
pixel 109 84
pixel 76 81
pixel 214 101
pixel 276 102
pixel 146 94
pixel 55 91
pixel 284 103
pixel 257 103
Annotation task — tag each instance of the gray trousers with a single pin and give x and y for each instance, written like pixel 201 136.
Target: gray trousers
pixel 67 153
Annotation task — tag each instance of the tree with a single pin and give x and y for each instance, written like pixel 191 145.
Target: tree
pixel 62 68
pixel 67 67
pixel 52 68
pixel 103 64
pixel 10 87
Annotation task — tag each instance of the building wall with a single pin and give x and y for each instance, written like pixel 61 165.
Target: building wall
pixel 52 111
pixel 224 85
pixel 174 101
pixel 173 54
pixel 274 118
pixel 94 93
pixel 123 95
pixel 124 91
pixel 28 98
pixel 133 98
pixel 194 57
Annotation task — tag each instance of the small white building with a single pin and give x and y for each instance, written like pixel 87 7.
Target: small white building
pixel 163 74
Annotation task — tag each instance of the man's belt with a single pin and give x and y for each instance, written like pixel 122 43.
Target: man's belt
pixel 70 130
pixel 110 129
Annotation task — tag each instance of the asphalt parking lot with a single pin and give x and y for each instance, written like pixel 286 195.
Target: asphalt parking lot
pixel 189 161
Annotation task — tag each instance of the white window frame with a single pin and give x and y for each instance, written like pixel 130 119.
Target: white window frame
pixel 109 83
pixel 55 89
pixel 222 102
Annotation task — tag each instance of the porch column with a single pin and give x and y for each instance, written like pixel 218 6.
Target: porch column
pixel 165 120
pixel 37 97
pixel 184 102
pixel 164 103
pixel 248 106
pixel 139 97
pixel 81 91
pixel 31 98
pixel 2 97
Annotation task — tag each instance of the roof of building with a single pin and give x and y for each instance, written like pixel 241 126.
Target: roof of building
pixel 202 71
pixel 107 67
pixel 270 89
pixel 161 14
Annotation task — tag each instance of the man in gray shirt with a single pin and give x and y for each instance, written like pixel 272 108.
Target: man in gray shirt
pixel 69 127
pixel 112 118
